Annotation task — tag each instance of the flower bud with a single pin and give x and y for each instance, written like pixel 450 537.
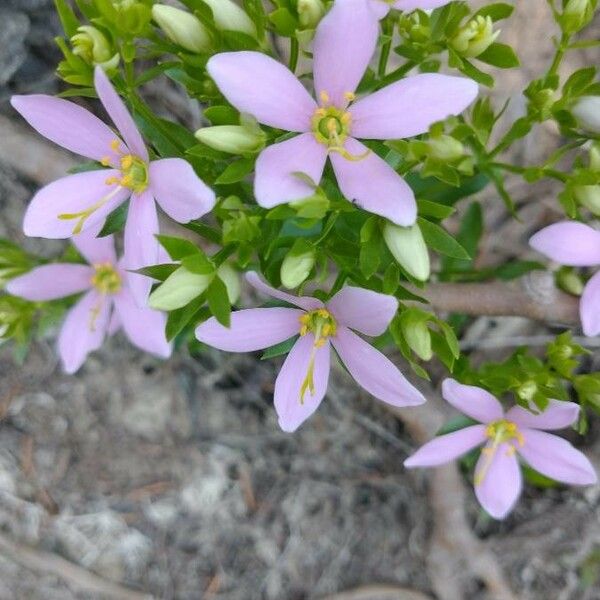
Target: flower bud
pixel 418 337
pixel 182 28
pixel 526 391
pixel 475 37
pixel 577 14
pixel 234 139
pixel 588 196
pixel 230 277
pixel 310 12
pixel 445 148
pixel 587 112
pixel 408 247
pixel 180 288
pixel 91 45
pixel 230 17
pixel 595 159
pixel 297 264
pixel 570 281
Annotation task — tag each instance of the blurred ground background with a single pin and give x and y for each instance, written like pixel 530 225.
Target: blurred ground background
pixel 141 479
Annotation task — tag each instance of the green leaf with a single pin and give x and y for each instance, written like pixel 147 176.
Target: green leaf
pixel 441 241
pixel 279 349
pixel 497 11
pixel 158 272
pixel 222 115
pixel 435 210
pixel 115 221
pixel 198 263
pixel 67 17
pixel 236 171
pixel 501 56
pixel 177 248
pixel 284 21
pixel 218 301
pixel 178 319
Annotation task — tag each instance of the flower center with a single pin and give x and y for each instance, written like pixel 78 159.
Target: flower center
pixel 134 175
pixel 499 432
pixel 331 126
pixel 322 325
pixel 106 279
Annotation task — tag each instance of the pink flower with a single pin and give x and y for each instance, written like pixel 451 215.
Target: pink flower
pixel 77 202
pixel 518 431
pixel 344 44
pixel 106 306
pixel 302 381
pixel 576 245
pixel 382 7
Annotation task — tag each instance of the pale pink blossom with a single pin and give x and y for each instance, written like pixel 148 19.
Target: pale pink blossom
pixel 302 382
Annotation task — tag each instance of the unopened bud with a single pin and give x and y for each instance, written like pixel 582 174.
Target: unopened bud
pixel 589 197
pixel 595 158
pixel 297 264
pixel 182 28
pixel 577 14
pixel 570 281
pixel 234 139
pixel 310 12
pixel 179 289
pixel 527 391
pixel 231 278
pixel 91 45
pixel 445 148
pixel 408 247
pixel 587 112
pixel 418 337
pixel 475 37
pixel 230 17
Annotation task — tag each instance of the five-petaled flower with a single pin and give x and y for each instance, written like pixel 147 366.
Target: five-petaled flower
pixel 106 306
pixel 343 47
pixel 302 381
pixel 75 203
pixel 382 7
pixel 498 479
pixel 575 245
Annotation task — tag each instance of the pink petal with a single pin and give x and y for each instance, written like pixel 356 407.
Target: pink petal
pixel 498 481
pixel 84 330
pixel 119 114
pixel 95 249
pixel 589 307
pixel 51 282
pixel 408 5
pixel 472 401
pixel 141 245
pixel 556 458
pixel 558 415
pixel 291 407
pixel 305 302
pixel 380 8
pixel 70 195
pixel 114 325
pixel 445 448
pixel 363 310
pixel 409 106
pixel 179 191
pixel 373 371
pixel 373 185
pixel 144 327
pixel 569 243
pixel 344 44
pixel 67 125
pixel 252 329
pixel 259 85
pixel 276 181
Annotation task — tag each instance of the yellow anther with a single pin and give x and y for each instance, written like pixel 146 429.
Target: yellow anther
pixel 350 96
pixel 324 97
pixel 346 118
pixel 106 161
pixel 111 181
pixel 322 312
pixel 320 112
pixel 116 146
pixel 304 330
pixel 126 181
pixel 126 161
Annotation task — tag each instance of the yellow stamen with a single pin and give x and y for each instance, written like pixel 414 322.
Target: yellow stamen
pixel 82 216
pixel 106 161
pixel 116 146
pixel 324 97
pixel 126 161
pixel 350 96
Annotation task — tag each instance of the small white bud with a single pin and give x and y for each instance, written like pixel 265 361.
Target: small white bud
pixel 230 17
pixel 408 247
pixel 234 139
pixel 182 28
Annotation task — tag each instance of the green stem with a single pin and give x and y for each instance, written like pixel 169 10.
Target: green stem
pixel 294 54
pixel 388 31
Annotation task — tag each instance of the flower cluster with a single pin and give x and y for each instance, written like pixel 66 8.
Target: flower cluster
pixel 294 141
